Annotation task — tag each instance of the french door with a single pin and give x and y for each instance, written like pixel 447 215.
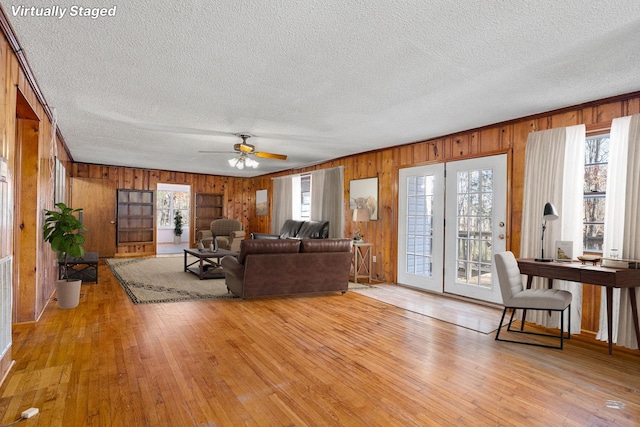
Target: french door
pixel 476 204
pixel 420 226
pixel 471 201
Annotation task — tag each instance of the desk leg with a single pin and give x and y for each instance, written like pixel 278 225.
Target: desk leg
pixel 185 262
pixel 609 318
pixel 634 310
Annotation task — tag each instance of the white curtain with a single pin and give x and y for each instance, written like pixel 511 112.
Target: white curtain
pixel 554 172
pixel 282 203
pixel 622 222
pixel 327 199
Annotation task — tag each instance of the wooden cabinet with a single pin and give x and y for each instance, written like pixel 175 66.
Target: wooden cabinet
pixel 135 216
pixel 207 208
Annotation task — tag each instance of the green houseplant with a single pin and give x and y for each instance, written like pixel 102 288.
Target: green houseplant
pixel 62 230
pixel 177 228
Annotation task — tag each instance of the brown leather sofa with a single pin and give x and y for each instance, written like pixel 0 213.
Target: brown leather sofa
pixel 288 266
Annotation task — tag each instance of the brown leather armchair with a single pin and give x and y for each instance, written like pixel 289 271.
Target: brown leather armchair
pixel 229 233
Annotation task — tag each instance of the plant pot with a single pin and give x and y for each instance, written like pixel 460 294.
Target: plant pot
pixel 177 240
pixel 68 293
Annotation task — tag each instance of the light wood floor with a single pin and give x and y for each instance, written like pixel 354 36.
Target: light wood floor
pixel 319 361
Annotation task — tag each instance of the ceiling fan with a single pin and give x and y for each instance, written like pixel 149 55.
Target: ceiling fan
pixel 245 150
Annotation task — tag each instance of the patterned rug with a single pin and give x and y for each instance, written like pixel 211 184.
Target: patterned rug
pixel 163 279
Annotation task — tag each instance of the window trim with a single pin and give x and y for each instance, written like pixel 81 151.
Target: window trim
pixel 595 130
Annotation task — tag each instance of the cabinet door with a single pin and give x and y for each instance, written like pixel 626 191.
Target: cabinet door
pixel 208 208
pixel 135 216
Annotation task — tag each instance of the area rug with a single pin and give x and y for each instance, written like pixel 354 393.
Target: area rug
pixel 163 279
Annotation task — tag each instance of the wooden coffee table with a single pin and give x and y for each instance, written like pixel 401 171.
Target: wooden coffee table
pixel 207 264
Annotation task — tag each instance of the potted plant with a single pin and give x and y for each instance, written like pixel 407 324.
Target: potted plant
pixel 62 230
pixel 177 228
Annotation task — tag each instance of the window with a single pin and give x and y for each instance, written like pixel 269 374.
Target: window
pixel 305 197
pixel 595 187
pixel 169 202
pixel 301 187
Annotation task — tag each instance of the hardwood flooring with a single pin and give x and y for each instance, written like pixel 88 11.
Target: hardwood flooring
pixel 327 360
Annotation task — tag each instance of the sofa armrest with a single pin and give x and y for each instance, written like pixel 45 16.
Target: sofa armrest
pixel 238 234
pixel 205 237
pixel 231 265
pixel 204 234
pixel 234 274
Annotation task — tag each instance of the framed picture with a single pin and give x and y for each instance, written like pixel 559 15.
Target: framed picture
pixel 262 203
pixel 564 251
pixel 363 194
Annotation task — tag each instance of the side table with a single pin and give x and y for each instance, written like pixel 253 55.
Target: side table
pixel 362 261
pixel 84 268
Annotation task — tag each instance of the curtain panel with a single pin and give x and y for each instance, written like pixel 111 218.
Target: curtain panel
pixel 282 202
pixel 327 199
pixel 554 172
pixel 622 222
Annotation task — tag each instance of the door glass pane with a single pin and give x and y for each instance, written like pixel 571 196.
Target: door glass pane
pixel 419 220
pixel 474 217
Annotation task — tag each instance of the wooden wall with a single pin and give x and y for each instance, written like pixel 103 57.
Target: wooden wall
pixel 27 145
pixel 238 202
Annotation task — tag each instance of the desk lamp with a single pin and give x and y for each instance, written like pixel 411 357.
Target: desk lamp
pixel 549 214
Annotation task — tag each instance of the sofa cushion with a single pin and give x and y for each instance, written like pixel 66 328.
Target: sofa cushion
pixel 267 246
pixel 290 228
pixel 325 245
pixel 314 230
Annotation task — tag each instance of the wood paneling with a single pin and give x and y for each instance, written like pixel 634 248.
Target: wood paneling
pixel 237 193
pixel 26 221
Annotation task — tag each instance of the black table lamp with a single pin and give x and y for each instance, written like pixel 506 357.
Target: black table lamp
pixel 549 214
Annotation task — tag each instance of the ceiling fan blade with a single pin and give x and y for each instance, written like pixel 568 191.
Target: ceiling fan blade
pixel 245 148
pixel 218 152
pixel 270 155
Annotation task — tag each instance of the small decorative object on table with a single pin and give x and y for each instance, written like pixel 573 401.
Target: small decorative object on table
pixel 357 237
pixel 564 251
pixel 594 259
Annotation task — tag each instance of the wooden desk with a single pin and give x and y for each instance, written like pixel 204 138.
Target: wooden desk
pixel 591 274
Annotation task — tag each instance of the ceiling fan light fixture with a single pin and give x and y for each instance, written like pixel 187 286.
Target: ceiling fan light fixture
pixel 251 163
pixel 243 160
pixel 233 162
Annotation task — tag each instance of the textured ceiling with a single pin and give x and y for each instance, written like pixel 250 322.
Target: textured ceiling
pixel 160 81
